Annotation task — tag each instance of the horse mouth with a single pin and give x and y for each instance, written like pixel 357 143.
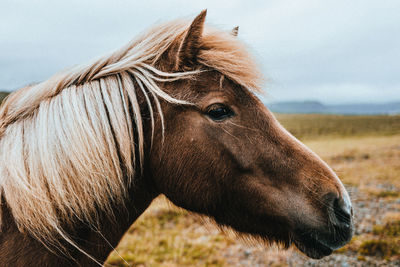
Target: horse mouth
pixel 312 247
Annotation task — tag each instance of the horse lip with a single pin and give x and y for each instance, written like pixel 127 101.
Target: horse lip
pixel 313 247
pixel 317 243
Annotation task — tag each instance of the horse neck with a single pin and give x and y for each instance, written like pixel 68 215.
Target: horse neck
pixel 21 249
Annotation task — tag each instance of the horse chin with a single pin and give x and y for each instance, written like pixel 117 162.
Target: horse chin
pixel 312 247
pixel 308 245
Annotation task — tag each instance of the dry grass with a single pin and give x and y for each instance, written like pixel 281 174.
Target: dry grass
pixel 382 242
pixel 168 236
pixel 314 126
pixel 363 161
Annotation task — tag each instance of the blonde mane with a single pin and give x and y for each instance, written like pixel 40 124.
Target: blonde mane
pixel 67 145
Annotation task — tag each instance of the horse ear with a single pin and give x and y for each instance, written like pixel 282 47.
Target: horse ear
pixel 189 47
pixel 235 31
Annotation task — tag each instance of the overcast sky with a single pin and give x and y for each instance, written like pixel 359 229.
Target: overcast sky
pixel 331 51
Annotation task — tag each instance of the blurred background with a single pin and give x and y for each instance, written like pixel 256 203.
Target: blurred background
pixel 333 80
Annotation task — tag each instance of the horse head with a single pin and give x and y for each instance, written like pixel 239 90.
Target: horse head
pixel 225 155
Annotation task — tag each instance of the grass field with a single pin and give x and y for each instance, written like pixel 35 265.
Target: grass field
pixel 363 150
pixel 316 126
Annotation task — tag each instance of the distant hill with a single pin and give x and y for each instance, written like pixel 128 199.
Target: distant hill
pixel 3 95
pixel 307 107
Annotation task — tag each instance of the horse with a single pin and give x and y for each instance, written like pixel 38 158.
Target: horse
pixel 175 112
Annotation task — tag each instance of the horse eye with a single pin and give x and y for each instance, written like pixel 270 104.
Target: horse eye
pixel 219 112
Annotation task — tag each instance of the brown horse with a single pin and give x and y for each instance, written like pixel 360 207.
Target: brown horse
pixel 84 153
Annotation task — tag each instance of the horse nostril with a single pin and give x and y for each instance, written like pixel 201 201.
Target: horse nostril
pixel 342 212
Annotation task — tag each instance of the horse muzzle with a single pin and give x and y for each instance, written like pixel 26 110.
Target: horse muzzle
pixel 338 231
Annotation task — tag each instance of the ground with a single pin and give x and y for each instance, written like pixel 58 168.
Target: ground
pixel 365 153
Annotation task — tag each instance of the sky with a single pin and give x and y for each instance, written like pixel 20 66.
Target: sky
pixel 329 51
